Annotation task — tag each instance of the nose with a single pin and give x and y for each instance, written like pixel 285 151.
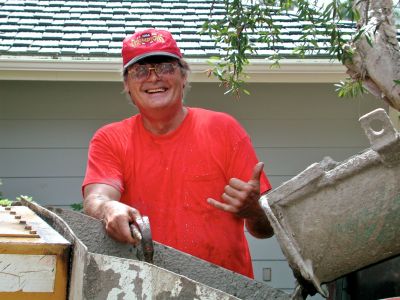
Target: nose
pixel 152 74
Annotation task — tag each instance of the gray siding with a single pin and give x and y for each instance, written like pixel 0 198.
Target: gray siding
pixel 45 128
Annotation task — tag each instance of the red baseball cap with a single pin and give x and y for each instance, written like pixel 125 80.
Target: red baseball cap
pixel 149 42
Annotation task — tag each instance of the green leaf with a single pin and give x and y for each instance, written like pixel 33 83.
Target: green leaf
pixel 356 15
pixel 350 88
pixel 5 202
pixel 396 82
pixel 77 206
pixel 358 35
pixel 369 40
pixel 24 197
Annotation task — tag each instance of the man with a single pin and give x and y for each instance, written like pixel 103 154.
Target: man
pixel 193 172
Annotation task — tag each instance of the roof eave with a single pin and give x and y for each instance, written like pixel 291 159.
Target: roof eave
pixel 109 69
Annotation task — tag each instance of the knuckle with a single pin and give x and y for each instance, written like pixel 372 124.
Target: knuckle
pixel 248 188
pixel 242 196
pixel 234 210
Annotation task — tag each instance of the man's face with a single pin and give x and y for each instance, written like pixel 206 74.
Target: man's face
pixel 155 83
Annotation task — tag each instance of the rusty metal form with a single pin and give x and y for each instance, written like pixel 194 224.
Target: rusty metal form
pixel 335 218
pixel 105 269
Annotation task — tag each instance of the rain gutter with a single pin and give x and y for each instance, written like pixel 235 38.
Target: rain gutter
pixel 109 69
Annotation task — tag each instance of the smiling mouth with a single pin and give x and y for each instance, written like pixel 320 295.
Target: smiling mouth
pixel 154 91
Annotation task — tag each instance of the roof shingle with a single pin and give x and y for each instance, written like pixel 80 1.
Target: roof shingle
pixel 97 28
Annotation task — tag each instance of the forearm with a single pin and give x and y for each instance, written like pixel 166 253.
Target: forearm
pixel 259 226
pixel 94 205
pixel 98 198
pixel 102 202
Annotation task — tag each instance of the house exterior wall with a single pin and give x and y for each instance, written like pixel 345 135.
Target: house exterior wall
pixel 45 128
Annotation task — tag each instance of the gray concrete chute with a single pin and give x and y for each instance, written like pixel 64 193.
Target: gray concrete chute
pixel 383 136
pixel 104 269
pixel 336 218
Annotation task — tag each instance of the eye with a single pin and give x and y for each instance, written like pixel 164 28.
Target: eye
pixel 141 71
pixel 166 68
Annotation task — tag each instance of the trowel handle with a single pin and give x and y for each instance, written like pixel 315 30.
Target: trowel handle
pixel 143 225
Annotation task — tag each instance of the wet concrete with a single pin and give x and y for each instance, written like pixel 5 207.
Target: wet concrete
pixel 91 232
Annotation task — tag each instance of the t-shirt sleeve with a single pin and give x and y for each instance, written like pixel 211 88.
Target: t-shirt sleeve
pixel 104 164
pixel 243 158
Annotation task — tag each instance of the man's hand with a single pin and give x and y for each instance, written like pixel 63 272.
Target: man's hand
pixel 101 202
pixel 117 220
pixel 241 198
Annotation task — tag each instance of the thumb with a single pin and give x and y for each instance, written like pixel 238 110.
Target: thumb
pixel 134 215
pixel 257 171
pixel 135 219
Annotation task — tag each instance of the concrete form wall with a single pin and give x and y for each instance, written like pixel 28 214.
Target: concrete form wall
pixel 45 128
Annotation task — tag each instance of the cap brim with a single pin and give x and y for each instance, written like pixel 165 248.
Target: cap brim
pixel 140 57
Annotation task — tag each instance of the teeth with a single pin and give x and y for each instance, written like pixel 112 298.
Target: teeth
pixel 156 90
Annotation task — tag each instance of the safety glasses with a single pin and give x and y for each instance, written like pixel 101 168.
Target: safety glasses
pixel 142 72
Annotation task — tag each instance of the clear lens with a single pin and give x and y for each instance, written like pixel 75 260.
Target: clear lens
pixel 139 72
pixel 164 68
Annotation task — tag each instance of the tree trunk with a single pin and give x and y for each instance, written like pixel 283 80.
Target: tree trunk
pixel 376 59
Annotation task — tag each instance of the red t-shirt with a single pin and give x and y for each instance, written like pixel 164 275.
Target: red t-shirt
pixel 169 178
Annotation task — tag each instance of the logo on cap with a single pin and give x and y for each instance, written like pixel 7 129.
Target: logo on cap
pixel 147 38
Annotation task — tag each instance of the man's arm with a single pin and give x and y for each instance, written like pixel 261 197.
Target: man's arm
pixel 258 225
pixel 101 201
pixel 241 198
